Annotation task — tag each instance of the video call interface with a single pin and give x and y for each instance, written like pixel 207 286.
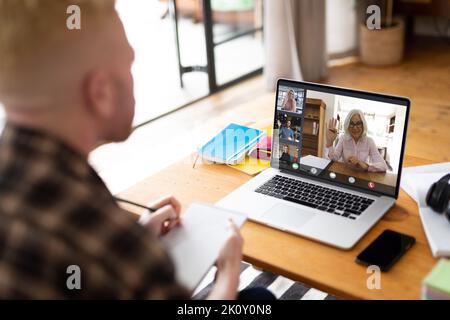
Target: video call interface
pixel 342 138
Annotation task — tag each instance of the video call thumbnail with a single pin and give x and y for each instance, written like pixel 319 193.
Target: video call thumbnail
pixel 289 152
pixel 290 99
pixel 347 139
pixel 290 128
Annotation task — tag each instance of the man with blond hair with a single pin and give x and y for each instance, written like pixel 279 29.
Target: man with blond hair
pixel 65 91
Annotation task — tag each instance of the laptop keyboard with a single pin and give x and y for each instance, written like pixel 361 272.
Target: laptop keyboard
pixel 314 196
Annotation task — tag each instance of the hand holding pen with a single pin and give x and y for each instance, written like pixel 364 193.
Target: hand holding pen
pixel 161 216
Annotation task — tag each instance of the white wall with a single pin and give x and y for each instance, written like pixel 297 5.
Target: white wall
pixel 397 136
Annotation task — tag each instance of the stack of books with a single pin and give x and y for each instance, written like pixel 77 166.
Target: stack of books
pixel 436 285
pixel 263 149
pixel 231 145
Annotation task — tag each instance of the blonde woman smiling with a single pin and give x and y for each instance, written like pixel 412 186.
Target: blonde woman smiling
pixel 289 104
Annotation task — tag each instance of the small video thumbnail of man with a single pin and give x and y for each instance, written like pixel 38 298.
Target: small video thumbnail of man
pixel 288 153
pixel 289 127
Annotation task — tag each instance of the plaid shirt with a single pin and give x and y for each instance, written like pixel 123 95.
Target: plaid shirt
pixel 55 212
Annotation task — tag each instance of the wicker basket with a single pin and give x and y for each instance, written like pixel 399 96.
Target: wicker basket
pixel 382 47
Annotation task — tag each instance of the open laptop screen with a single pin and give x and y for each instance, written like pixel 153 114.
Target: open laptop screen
pixel 344 136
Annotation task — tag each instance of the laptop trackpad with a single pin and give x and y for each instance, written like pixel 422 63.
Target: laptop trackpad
pixel 286 216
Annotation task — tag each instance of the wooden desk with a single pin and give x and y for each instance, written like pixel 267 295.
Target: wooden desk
pixel 386 178
pixel 315 264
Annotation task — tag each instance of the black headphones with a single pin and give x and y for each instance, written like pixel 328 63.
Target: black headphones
pixel 438 196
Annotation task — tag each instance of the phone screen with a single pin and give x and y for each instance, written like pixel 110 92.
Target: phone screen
pixel 385 250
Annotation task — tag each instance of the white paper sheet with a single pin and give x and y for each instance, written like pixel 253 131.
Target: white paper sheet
pixel 195 245
pixel 416 181
pixel 313 161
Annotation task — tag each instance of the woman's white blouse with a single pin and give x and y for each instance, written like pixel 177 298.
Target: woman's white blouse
pixel 365 150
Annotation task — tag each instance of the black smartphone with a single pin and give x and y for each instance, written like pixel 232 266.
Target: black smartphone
pixel 385 250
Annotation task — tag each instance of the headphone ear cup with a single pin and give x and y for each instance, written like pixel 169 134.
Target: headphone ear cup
pixel 429 198
pixel 447 210
pixel 443 201
pixel 439 193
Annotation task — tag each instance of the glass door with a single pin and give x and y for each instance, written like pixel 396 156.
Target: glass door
pixel 233 40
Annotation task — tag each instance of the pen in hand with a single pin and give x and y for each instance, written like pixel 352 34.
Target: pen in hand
pixel 166 224
pixel 135 204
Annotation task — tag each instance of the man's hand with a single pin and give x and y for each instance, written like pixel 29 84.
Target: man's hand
pixel 228 266
pixel 165 218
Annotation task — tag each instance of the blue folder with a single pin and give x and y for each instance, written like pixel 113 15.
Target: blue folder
pixel 231 144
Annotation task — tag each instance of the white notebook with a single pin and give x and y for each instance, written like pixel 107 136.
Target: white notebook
pixel 195 245
pixel 416 181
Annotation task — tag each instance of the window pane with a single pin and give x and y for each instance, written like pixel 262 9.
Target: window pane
pixel 150 30
pixel 238 57
pixel 243 54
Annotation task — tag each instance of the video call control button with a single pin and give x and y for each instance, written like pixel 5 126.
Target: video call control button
pixel 313 170
pixel 351 180
pixel 332 175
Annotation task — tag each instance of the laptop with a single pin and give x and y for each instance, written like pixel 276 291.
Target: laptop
pixel 335 166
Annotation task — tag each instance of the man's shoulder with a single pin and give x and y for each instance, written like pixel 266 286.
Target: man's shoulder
pixel 114 253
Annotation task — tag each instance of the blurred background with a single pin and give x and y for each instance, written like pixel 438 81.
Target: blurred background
pixel 201 64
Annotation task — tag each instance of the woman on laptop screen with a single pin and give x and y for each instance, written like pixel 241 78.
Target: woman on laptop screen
pixel 354 148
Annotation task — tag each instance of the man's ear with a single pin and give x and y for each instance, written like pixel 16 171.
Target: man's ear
pixel 99 94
